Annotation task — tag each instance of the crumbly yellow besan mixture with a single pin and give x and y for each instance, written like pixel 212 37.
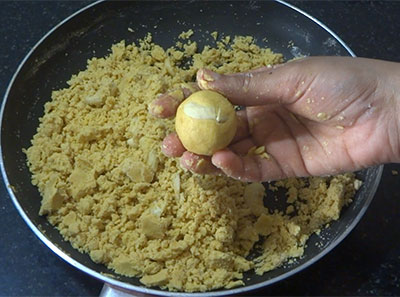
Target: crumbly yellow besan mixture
pixel 109 190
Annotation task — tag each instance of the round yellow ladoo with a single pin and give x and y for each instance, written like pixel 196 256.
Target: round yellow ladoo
pixel 205 122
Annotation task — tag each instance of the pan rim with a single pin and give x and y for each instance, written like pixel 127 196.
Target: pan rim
pixel 133 288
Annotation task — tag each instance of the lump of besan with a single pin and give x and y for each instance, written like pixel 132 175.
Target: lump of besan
pixel 205 122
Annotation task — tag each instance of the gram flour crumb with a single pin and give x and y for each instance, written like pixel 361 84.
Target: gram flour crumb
pixel 109 190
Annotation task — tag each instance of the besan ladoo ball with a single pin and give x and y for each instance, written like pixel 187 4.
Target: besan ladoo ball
pixel 205 122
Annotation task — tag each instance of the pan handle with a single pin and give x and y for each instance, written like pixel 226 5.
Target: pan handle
pixel 109 291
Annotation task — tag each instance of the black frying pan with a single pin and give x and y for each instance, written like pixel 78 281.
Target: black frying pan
pixel 91 32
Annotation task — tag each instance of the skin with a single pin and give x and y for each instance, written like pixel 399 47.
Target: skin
pixel 315 116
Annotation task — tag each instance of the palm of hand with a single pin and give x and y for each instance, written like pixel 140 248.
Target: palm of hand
pixel 325 130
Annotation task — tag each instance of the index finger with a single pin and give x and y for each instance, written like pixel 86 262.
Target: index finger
pixel 166 104
pixel 247 168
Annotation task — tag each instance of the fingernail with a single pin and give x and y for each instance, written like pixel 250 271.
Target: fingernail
pixel 216 163
pixel 186 164
pixel 217 159
pixel 208 77
pixel 204 77
pixel 164 149
pixel 155 109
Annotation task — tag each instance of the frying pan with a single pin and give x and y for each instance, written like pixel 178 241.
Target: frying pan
pixel 91 32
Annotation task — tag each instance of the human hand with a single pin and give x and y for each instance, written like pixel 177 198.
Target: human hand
pixel 314 116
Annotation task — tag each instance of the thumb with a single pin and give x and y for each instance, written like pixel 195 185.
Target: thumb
pixel 282 84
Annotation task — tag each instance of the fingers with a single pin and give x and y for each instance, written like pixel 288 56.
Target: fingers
pixel 242 168
pixel 248 168
pixel 235 163
pixel 260 86
pixel 172 146
pixel 198 164
pixel 166 104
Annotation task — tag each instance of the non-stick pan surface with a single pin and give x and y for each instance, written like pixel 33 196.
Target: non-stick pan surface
pixel 91 32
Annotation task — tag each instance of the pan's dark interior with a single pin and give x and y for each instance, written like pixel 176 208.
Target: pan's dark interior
pixel 92 32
